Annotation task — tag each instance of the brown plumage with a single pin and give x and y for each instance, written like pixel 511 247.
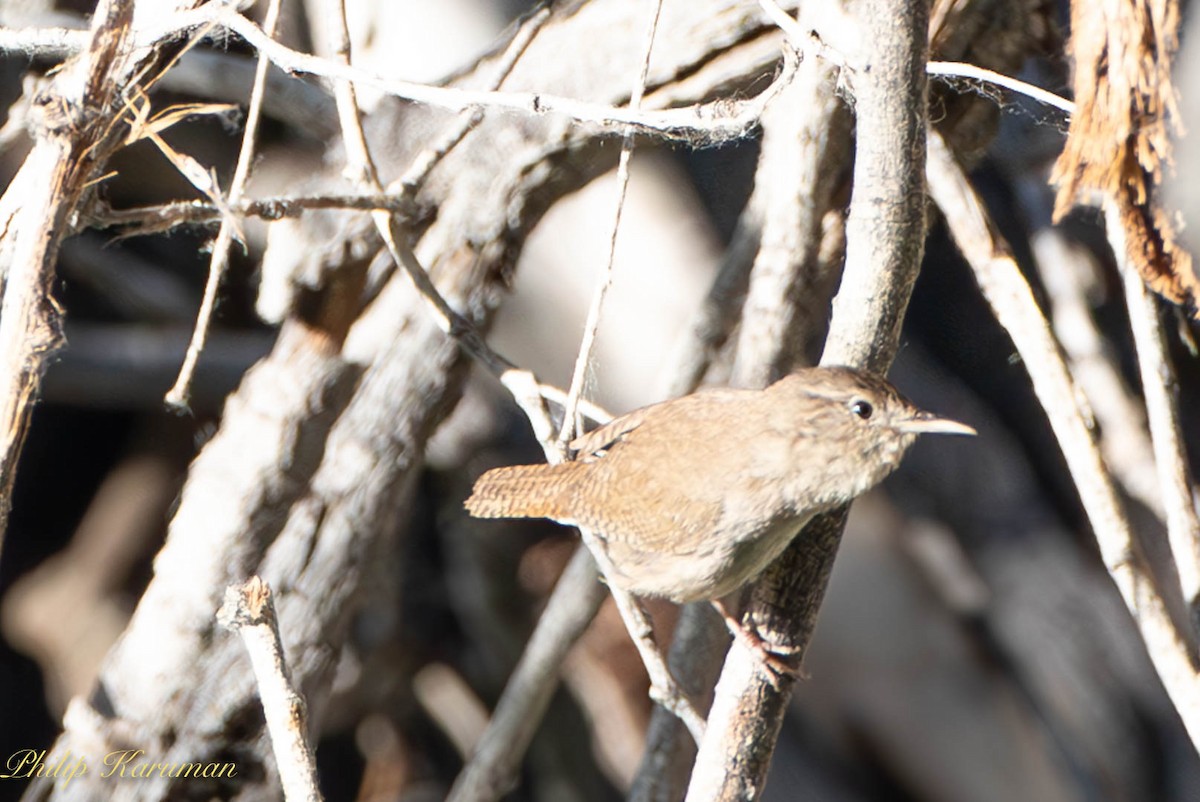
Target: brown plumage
pixel 695 496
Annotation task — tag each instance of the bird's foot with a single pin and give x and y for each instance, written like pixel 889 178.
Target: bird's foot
pixel 779 664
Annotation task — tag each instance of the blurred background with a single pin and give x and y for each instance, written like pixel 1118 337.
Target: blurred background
pixel 971 647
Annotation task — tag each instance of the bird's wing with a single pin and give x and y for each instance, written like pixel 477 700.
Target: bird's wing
pixel 668 526
pixel 597 440
pixel 659 476
pixel 603 437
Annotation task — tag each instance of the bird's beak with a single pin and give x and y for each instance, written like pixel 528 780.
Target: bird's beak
pixel 928 423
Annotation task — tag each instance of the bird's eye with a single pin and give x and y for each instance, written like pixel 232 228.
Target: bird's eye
pixel 861 408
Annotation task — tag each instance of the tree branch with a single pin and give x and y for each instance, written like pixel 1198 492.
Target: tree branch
pixel 885 235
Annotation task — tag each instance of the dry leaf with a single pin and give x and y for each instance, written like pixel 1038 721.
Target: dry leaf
pixel 1118 145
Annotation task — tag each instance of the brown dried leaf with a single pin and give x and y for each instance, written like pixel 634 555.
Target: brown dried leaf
pixel 1118 145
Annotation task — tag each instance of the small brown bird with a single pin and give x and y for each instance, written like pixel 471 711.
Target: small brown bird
pixel 693 497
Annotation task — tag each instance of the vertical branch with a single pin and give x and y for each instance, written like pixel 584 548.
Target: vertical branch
pixel 30 319
pixel 1170 458
pixel 885 236
pixel 793 185
pixel 698 648
pixel 492 769
pixel 78 109
pixel 1125 440
pixel 803 150
pixel 249 610
pixel 885 232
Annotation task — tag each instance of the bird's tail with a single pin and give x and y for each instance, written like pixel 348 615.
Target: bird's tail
pixel 521 491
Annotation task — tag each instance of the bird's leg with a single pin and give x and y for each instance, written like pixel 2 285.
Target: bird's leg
pixel 777 665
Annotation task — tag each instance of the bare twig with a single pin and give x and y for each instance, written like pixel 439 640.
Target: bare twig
pixel 449 701
pixel 144 220
pixel 250 611
pixel 698 648
pixel 492 769
pixel 1013 304
pixel 662 687
pixel 714 122
pixel 49 43
pixel 220 75
pixel 360 166
pixel 803 39
pixel 802 151
pixel 177 396
pixel 1160 390
pixel 522 384
pixel 959 69
pixel 604 281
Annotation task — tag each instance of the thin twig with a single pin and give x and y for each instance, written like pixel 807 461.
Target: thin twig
pixel 714 122
pixel 1160 390
pixel 698 647
pixel 452 704
pixel 48 43
pixel 250 611
pixel 592 324
pixel 359 164
pixel 143 220
pixel 521 383
pixel 663 688
pixel 390 229
pixel 177 396
pixel 803 39
pixel 960 69
pixel 492 769
pixel 1013 304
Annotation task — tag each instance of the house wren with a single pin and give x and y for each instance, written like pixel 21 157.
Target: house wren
pixel 693 497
